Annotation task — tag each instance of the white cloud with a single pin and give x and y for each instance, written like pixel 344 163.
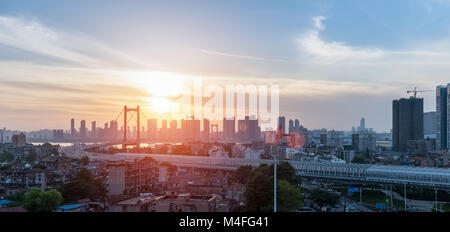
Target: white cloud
pixel 314 47
pixel 317 50
pixel 31 36
pixel 247 57
pixel 318 22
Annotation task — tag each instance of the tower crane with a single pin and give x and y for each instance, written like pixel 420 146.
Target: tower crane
pixel 415 91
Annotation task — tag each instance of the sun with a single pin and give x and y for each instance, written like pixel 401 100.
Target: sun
pixel 161 84
pixel 161 105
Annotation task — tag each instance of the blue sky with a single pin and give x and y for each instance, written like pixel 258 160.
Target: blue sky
pixel 335 61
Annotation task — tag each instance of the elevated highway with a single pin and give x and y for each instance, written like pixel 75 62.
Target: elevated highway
pixel 366 173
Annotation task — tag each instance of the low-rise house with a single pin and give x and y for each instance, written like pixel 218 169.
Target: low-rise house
pixel 15 180
pixel 165 203
pixel 79 207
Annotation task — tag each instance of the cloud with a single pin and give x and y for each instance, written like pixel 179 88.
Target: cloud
pixel 318 22
pixel 319 50
pixel 21 35
pixel 245 56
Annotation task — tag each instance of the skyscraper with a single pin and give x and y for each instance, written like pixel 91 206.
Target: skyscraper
pixel 229 128
pixel 173 129
pixel 282 124
pixel 19 140
pixel 248 129
pixel 163 131
pixel 94 129
pixel 443 115
pixel 362 124
pixel 152 128
pixel 291 126
pixel 430 124
pixel 72 128
pixel 206 129
pixel 407 122
pixel 83 129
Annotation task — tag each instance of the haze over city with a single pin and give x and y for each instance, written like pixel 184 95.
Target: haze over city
pixel 69 60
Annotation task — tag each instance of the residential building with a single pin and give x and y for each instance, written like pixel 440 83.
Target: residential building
pixel 407 122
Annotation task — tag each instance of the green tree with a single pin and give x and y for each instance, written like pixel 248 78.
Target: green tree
pixel 17 198
pixel 83 185
pixel 285 171
pixel 7 156
pixel 358 160
pixel 38 201
pixel 289 197
pixel 242 174
pixel 259 189
pixel 323 198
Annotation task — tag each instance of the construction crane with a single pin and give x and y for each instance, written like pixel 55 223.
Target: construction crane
pixel 415 91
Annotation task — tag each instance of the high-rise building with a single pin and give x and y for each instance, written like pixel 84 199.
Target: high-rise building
pixel 19 140
pixel 407 122
pixel 364 141
pixel 163 131
pixel 282 124
pixel 58 134
pixel 94 129
pixel 442 117
pixel 291 126
pixel 248 129
pixel 173 129
pixel 229 129
pixel 430 124
pixel 206 129
pixel 83 129
pixel 196 129
pixel 190 129
pixel 73 131
pixel 152 128
pixel 362 124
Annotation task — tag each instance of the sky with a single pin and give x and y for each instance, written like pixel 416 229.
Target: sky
pixel 334 61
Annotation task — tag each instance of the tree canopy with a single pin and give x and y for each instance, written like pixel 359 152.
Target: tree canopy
pixel 259 188
pixel 83 185
pixel 323 198
pixel 242 174
pixel 38 201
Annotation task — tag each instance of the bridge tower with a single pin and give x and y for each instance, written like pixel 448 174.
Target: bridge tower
pixel 125 143
pixel 215 131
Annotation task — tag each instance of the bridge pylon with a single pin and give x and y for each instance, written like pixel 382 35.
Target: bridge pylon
pixel 125 142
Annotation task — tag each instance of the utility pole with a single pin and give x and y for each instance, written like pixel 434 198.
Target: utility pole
pixel 392 200
pixel 275 184
pixel 360 195
pixel 436 197
pixel 404 191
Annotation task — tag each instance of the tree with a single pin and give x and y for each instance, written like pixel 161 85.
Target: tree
pixel 289 197
pixel 38 201
pixel 7 156
pixel 358 160
pixel 242 174
pixel 84 160
pixel 259 189
pixel 323 198
pixel 17 198
pixel 285 171
pixel 83 185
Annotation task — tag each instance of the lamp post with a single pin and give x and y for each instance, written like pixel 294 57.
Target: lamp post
pixel 275 184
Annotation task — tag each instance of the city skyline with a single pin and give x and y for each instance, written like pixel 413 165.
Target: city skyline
pixel 70 61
